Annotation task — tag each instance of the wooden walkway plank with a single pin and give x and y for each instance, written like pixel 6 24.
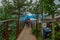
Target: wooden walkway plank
pixel 26 34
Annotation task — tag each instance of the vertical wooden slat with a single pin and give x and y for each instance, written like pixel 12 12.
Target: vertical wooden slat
pixel 7 37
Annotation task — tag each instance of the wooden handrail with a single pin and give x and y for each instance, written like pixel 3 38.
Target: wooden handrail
pixel 8 20
pixel 6 30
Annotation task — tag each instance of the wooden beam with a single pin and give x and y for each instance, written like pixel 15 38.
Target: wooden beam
pixel 17 28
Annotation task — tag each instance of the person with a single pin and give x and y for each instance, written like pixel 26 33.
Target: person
pixel 46 31
pixel 27 22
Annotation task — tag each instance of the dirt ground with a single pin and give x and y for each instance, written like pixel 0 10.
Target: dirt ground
pixel 26 34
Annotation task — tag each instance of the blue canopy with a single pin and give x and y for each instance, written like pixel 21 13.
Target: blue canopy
pixel 31 16
pixel 27 16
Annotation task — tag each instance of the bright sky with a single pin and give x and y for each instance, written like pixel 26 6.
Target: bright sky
pixel 56 2
pixel 0 2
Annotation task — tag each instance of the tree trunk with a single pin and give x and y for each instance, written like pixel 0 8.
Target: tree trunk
pixel 17 28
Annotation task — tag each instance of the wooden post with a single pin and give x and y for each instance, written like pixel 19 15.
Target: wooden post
pixel 53 32
pixel 17 29
pixel 7 37
pixel 36 30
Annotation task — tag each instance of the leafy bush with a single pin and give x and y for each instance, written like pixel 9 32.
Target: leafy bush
pixel 57 35
pixel 39 32
pixel 57 32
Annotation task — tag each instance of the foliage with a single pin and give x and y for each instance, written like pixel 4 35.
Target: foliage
pixel 57 31
pixel 57 28
pixel 39 32
pixel 48 6
pixel 13 7
pixel 2 32
pixel 35 8
pixel 12 35
pixel 57 35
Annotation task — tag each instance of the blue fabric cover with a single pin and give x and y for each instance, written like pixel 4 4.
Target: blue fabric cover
pixel 45 31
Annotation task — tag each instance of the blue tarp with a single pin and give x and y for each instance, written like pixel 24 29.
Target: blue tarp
pixel 31 16
pixel 27 16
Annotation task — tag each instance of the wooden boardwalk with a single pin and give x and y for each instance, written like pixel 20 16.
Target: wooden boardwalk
pixel 26 34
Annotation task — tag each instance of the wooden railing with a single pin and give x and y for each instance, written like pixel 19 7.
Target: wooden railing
pixel 6 29
pixel 17 28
